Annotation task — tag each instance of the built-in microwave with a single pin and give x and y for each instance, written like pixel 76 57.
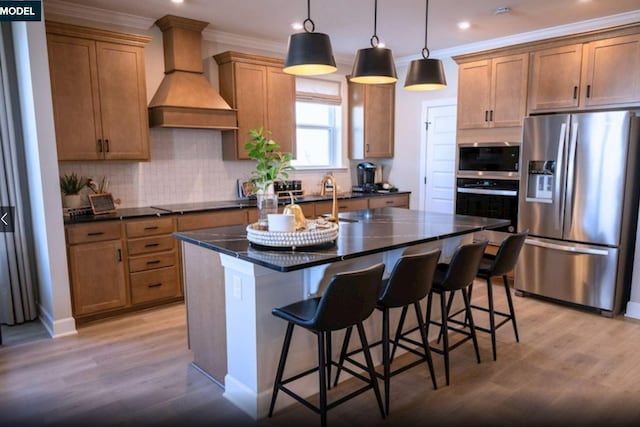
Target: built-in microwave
pixel 499 160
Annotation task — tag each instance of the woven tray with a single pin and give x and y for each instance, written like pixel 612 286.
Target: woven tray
pixel 294 239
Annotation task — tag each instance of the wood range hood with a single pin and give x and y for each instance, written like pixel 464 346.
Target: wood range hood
pixel 185 98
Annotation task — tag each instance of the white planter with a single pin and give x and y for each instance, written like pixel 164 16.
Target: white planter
pixel 72 201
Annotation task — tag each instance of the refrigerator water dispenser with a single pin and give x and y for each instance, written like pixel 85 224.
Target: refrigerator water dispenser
pixel 541 174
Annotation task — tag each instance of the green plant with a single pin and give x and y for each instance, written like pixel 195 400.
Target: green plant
pixel 72 184
pixel 272 164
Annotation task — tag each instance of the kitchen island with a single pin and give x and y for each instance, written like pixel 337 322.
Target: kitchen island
pixel 232 286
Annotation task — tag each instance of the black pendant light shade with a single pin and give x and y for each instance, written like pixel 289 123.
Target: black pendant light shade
pixel 425 74
pixel 374 65
pixel 309 53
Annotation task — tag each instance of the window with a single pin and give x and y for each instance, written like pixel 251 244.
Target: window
pixel 318 114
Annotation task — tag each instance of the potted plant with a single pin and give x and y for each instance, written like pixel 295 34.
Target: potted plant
pixel 71 185
pixel 271 165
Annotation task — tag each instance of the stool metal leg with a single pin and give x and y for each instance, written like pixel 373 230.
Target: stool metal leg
pixel 372 372
pixel 322 378
pixel 511 310
pixel 327 337
pixel 281 363
pixel 444 331
pixel 385 357
pixel 472 327
pixel 425 344
pixel 343 353
pixel 492 317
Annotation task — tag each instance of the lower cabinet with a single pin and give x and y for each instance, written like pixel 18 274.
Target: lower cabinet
pixel 96 268
pixel 399 201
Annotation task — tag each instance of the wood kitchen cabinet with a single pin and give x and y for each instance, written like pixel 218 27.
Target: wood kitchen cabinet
pixel 395 201
pixel 596 74
pixel 371 120
pixel 96 268
pixel 492 92
pixel 263 95
pixel 98 88
pixel 154 266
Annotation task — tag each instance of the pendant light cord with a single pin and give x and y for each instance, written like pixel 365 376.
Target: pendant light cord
pixel 308 20
pixel 374 38
pixel 425 49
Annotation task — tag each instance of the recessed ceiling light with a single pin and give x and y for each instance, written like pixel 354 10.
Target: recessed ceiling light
pixel 501 9
pixel 464 25
pixel 177 1
pixel 297 26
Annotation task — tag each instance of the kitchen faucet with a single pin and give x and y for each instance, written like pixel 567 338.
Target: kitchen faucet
pixel 323 192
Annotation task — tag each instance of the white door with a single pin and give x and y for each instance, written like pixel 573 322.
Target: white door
pixel 440 159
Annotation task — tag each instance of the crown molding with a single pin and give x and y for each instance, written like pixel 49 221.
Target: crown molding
pixel 58 8
pixel 546 33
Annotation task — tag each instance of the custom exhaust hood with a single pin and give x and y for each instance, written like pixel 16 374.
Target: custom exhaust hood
pixel 185 98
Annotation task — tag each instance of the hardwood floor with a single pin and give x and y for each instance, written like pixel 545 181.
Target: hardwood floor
pixel 571 367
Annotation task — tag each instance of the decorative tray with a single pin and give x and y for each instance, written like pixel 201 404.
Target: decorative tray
pixel 314 234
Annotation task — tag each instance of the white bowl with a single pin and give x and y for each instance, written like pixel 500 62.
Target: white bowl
pixel 281 222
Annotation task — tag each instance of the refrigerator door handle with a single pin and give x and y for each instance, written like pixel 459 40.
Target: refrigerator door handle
pixel 571 171
pixel 566 248
pixel 559 163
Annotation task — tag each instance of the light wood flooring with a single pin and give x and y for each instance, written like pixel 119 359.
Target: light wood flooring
pixel 571 367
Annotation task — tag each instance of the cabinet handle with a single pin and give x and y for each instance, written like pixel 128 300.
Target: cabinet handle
pixel 119 255
pixel 389 202
pixel 575 92
pixel 367 150
pixel 588 91
pixel 99 146
pixel 95 233
pixel 486 115
pixel 490 115
pixel 155 285
pixel 106 143
pixel 157 261
pixel 155 227
pixel 151 245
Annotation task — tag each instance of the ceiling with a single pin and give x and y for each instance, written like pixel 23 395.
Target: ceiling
pixel 349 23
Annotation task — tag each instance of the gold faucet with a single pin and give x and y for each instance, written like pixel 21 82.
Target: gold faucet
pixel 323 192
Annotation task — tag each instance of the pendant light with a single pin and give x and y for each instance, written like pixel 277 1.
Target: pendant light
pixel 309 53
pixel 425 73
pixel 375 64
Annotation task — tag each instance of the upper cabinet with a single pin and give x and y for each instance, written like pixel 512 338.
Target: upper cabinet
pixel 263 95
pixel 595 74
pixel 99 95
pixel 492 92
pixel 371 120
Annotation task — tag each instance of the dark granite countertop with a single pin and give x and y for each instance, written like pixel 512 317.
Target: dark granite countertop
pixel 366 232
pixel 182 208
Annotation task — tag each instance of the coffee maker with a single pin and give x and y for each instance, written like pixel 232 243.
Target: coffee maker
pixel 366 175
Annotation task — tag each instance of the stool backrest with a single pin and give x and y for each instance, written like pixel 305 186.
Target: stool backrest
pixel 349 298
pixel 410 280
pixel 508 253
pixel 464 264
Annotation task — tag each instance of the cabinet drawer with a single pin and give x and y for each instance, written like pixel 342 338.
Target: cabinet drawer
pixel 94 232
pixel 343 206
pixel 152 261
pixel 154 285
pixel 151 227
pixel 150 244
pixel 389 201
pixel 211 219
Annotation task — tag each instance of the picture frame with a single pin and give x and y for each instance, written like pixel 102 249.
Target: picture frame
pixel 102 203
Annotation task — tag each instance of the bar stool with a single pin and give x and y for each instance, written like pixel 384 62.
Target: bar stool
pixel 456 276
pixel 409 282
pixel 348 300
pixel 495 266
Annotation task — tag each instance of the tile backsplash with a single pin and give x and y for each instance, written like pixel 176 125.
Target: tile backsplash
pixel 186 166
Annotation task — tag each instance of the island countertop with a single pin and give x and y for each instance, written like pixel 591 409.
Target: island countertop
pixel 361 233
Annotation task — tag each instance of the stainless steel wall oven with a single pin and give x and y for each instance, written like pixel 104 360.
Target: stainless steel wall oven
pixel 488 180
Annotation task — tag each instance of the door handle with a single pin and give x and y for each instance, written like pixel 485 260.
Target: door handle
pixel 564 248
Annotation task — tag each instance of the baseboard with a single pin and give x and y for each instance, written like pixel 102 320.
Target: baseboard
pixel 633 310
pixel 57 328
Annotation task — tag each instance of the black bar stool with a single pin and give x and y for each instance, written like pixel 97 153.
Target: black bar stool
pixel 347 301
pixel 409 282
pixel 458 275
pixel 495 266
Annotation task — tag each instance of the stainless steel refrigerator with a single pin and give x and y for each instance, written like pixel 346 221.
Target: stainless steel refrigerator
pixel 579 200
